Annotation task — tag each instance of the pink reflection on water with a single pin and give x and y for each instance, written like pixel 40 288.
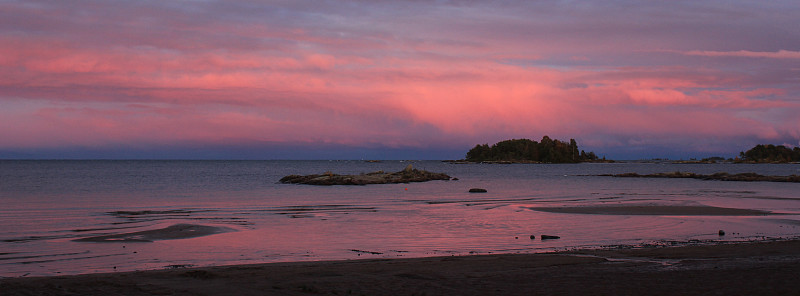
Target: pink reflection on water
pixel 297 223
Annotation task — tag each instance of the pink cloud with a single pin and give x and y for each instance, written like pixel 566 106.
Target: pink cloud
pixel 780 54
pixel 325 77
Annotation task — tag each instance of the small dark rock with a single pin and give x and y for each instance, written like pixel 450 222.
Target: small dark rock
pixel 721 232
pixel 454 179
pixel 477 190
pixel 533 237
pixel 544 237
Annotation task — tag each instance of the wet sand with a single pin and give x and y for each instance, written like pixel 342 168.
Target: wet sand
pixel 763 268
pixel 177 231
pixel 658 210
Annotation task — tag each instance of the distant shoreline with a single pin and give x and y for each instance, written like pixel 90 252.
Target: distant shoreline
pixel 722 176
pixel 461 161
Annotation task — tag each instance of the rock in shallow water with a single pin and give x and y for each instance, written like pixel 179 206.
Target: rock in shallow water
pixel 407 175
pixel 477 190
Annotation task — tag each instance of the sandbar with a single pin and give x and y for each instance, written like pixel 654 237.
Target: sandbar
pixel 177 231
pixel 752 268
pixel 657 210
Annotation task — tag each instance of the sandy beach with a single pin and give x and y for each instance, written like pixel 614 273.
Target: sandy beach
pixel 752 268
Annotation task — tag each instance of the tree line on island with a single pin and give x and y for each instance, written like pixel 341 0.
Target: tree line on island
pixel 556 151
pixel 770 153
pixel 524 150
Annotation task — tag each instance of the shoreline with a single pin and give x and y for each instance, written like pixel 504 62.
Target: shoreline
pixel 651 210
pixel 730 268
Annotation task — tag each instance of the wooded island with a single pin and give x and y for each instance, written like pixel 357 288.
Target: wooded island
pixel 770 153
pixel 528 151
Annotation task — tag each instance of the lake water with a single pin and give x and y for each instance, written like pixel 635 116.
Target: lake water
pixel 47 205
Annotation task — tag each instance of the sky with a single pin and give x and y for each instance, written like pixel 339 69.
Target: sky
pixel 204 79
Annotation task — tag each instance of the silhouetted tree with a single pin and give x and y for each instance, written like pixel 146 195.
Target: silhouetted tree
pixel 479 153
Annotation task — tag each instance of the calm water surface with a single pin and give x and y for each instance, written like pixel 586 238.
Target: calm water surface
pixel 47 205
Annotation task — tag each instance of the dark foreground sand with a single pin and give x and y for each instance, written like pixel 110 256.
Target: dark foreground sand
pixel 765 268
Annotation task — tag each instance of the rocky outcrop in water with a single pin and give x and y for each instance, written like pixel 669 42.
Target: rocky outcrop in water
pixel 748 177
pixel 407 175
